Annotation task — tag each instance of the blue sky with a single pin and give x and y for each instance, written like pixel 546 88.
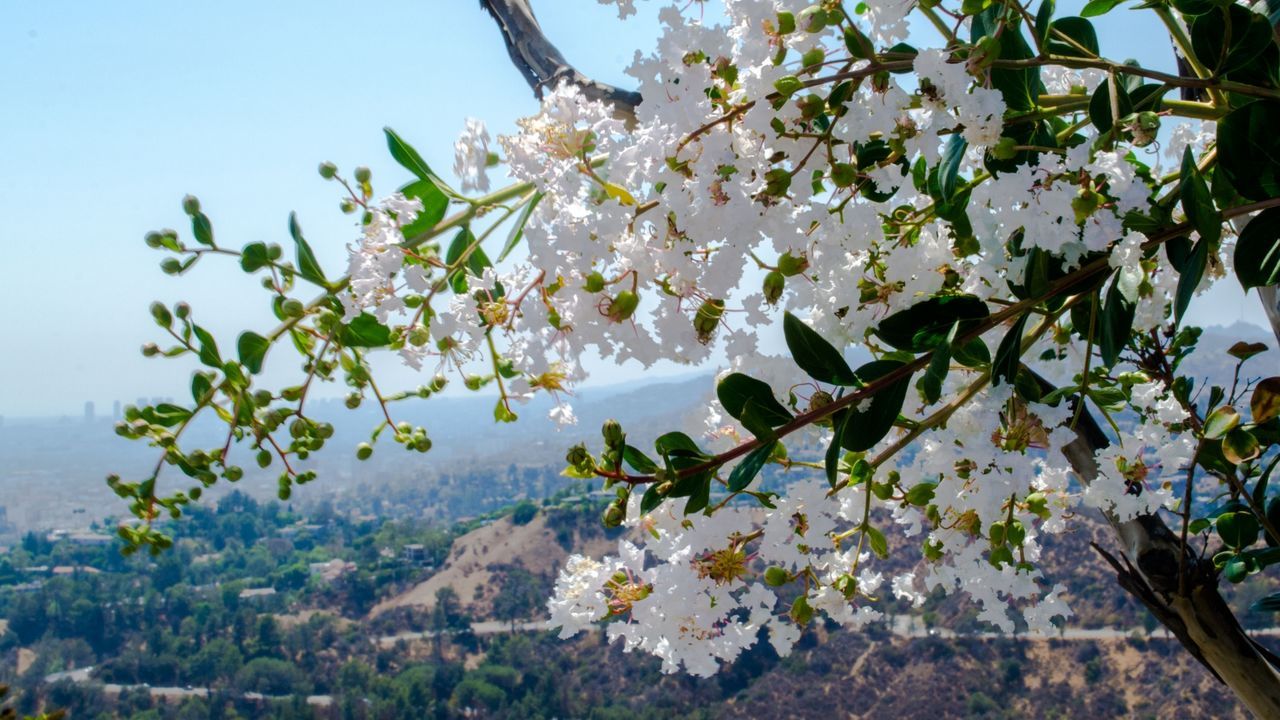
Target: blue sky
pixel 114 111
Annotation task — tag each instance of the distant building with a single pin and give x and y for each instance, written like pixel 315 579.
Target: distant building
pixel 115 410
pixel 414 554
pixel 257 593
pixel 75 570
pixel 332 570
pixel 88 411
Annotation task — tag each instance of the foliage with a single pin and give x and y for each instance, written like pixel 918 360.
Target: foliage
pixel 988 219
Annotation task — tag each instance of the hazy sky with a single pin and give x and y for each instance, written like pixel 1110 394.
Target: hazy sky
pixel 114 111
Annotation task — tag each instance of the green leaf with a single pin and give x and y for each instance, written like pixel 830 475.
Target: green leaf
pixel 434 205
pixel 1248 33
pixel 1094 8
pixel 831 460
pixel 208 348
pixel 200 387
pixel 476 262
pixel 202 229
pixel 1100 105
pixel 1240 446
pixel 408 158
pixel 1197 203
pixel 1019 87
pixel 737 389
pixel 1264 404
pixel 949 166
pixel 638 460
pixel 924 325
pixel 365 331
pixel 879 544
pixel 1009 355
pixel 1080 31
pixel 253 257
pixel 921 494
pixel 502 412
pixel 677 444
pixel 1189 280
pixel 1044 16
pixel 930 383
pixel 1220 422
pixel 252 348
pixel 1257 255
pixel 651 499
pixel 517 230
pixel 308 266
pixel 815 355
pixel 168 414
pixel 973 354
pixel 701 495
pixel 746 471
pixel 1117 323
pixel 1270 603
pixel 868 426
pixel 1249 149
pixel 1238 529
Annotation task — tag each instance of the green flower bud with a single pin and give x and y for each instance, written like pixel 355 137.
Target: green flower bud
pixel 347 206
pixel 161 314
pixel 594 283
pixel 786 23
pixel 264 458
pixel 364 451
pixel 153 239
pixel 1084 204
pixel 801 613
pixel 613 516
pixel 1004 149
pixel 473 382
pixel 776 577
pixel 182 310
pixel 363 175
pixel 844 174
pixel 788 85
pixel 438 383
pixel 190 205
pixel 577 456
pixel 233 473
pixel 996 533
pixel 328 170
pixel 170 266
pixel 613 435
pixel 150 350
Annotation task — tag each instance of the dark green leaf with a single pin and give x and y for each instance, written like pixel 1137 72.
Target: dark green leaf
pixel 1190 278
pixel 168 414
pixel 200 387
pixel 1081 33
pixel 746 471
pixel 365 331
pixel 651 499
pixel 1094 8
pixel 208 348
pixel 308 267
pixel 1009 355
pixel 252 348
pixel 1100 105
pixel 517 230
pixel 815 355
pixel 832 458
pixel 701 495
pixel 737 389
pixel 434 205
pixel 1247 33
pixel 1117 323
pixel 1044 16
pixel 924 325
pixel 254 257
pixel 866 427
pixel 930 383
pixel 408 158
pixel 202 229
pixel 1249 149
pixel 973 354
pixel 949 166
pixel 1257 255
pixel 1197 203
pixel 1270 603
pixel 677 444
pixel 638 460
pixel 476 261
pixel 879 544
pixel 1238 529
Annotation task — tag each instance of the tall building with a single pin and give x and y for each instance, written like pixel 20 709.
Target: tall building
pixel 88 411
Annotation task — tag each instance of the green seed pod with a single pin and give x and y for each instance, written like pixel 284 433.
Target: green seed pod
pixel 813 57
pixel 264 458
pixel 182 310
pixel 774 284
pixel 170 266
pixel 844 174
pixel 788 85
pixel 707 319
pixel 791 265
pixel 776 577
pixel 353 401
pixel 801 613
pixel 786 23
pixel 153 239
pixel 233 473
pixel 594 283
pixel 1004 149
pixel 623 306
pixel 328 170
pixel 812 19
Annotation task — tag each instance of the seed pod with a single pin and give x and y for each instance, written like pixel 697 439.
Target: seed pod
pixel 707 319
pixel 774 284
pixel 623 306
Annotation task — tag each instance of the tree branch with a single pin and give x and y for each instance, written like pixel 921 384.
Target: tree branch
pixel 541 62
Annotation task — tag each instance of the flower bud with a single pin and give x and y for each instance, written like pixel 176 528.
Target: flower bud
pixel 801 613
pixel 153 239
pixel 612 432
pixel 328 170
pixel 150 350
pixel 1004 149
pixel 438 382
pixel 363 175
pixel 594 283
pixel 791 265
pixel 473 382
pixel 161 314
pixel 786 23
pixel 182 310
pixel 347 206
pixel 364 451
pixel 813 57
pixel 292 308
pixel 1084 204
pixel 844 174
pixel 263 458
pixel 233 473
pixel 170 266
pixel 190 205
pixel 614 515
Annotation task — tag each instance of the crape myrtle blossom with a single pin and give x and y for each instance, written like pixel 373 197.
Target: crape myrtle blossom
pixel 728 203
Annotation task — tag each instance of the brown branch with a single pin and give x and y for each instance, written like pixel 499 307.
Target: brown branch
pixel 541 62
